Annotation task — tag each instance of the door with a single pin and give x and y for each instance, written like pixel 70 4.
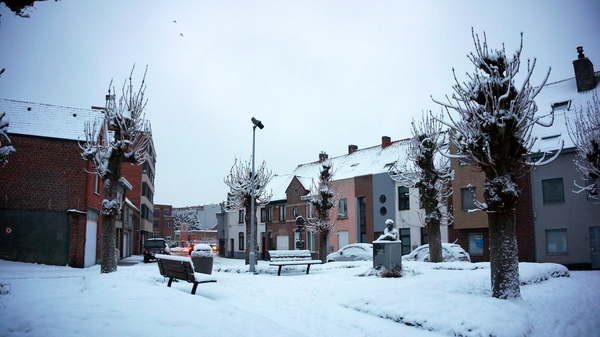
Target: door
pixel 595 246
pixel 91 231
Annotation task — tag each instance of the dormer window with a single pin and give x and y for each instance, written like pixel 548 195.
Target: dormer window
pixel 389 166
pixel 561 107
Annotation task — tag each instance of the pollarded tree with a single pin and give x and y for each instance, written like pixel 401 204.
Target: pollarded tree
pixel 430 172
pixel 493 129
pixel 584 130
pixel 323 199
pixel 120 137
pixel 5 149
pixel 239 181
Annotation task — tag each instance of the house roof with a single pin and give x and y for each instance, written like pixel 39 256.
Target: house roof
pixel 45 120
pixel 372 160
pixel 549 138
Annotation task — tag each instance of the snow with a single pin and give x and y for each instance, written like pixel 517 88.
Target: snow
pixel 429 300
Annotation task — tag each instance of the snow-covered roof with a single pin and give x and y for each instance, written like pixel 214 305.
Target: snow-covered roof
pixel 45 120
pixel 368 161
pixel 372 160
pixel 553 94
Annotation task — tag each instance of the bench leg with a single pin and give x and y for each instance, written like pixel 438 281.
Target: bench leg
pixel 170 281
pixel 307 269
pixel 279 271
pixel 194 288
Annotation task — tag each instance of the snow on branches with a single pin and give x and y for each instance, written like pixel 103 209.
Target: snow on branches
pixel 428 169
pixel 323 200
pixel 239 181
pixel 495 118
pixel 118 138
pixel 5 150
pixel 187 217
pixel 584 130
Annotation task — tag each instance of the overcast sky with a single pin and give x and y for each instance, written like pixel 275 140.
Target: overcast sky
pixel 320 75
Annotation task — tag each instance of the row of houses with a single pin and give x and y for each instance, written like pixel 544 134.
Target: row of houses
pixel 50 199
pixel 554 224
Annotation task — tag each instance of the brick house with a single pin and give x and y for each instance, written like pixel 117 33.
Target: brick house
pixel 162 223
pixel 50 201
pixel 49 204
pixel 368 196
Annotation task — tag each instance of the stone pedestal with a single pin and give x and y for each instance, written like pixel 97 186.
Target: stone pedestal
pixel 387 254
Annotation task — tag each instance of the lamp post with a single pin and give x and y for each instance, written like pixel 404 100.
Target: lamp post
pixel 256 123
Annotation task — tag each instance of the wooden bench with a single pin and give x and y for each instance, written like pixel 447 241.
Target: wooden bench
pixel 180 268
pixel 282 258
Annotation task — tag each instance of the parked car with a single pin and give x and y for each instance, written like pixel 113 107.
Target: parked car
pixel 450 252
pixel 155 246
pixel 353 252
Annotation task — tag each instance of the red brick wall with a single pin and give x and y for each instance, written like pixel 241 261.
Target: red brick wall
pixel 43 174
pixel 46 174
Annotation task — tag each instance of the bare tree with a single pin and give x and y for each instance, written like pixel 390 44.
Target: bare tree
pixel 323 199
pixel 239 181
pixel 430 172
pixel 187 217
pixel 119 138
pixel 584 130
pixel 493 129
pixel 5 149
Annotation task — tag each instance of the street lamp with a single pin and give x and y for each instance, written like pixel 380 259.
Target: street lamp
pixel 256 123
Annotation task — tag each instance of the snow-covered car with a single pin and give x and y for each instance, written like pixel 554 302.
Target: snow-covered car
pixel 353 252
pixel 155 246
pixel 450 252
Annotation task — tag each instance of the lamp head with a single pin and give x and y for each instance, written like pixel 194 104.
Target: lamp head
pixel 258 123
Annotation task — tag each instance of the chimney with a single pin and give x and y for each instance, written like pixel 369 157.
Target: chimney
pixel 352 149
pixel 385 142
pixel 323 157
pixel 584 72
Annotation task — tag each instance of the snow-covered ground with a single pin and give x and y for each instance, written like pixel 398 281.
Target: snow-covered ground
pixel 336 299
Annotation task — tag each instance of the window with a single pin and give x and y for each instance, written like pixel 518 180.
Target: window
pixel 556 241
pixel 96 184
pixel 560 107
pixel 166 212
pixel 475 244
pixel 156 212
pixel 424 236
pixel 168 223
pixel 241 218
pixel 553 191
pixel 383 211
pixel 594 192
pixel 241 241
pixel 263 215
pixel 296 212
pixel 343 209
pixel 269 214
pixel 467 198
pixel 155 235
pixel 282 213
pixel 403 199
pixel 155 224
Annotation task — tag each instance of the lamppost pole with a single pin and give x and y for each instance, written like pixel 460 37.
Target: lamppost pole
pixel 256 123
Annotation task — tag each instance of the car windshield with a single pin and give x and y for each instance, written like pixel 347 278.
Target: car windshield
pixel 155 244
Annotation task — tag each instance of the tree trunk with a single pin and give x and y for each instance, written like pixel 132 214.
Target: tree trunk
pixel 249 236
pixel 504 256
pixel 108 262
pixel 435 241
pixel 323 246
